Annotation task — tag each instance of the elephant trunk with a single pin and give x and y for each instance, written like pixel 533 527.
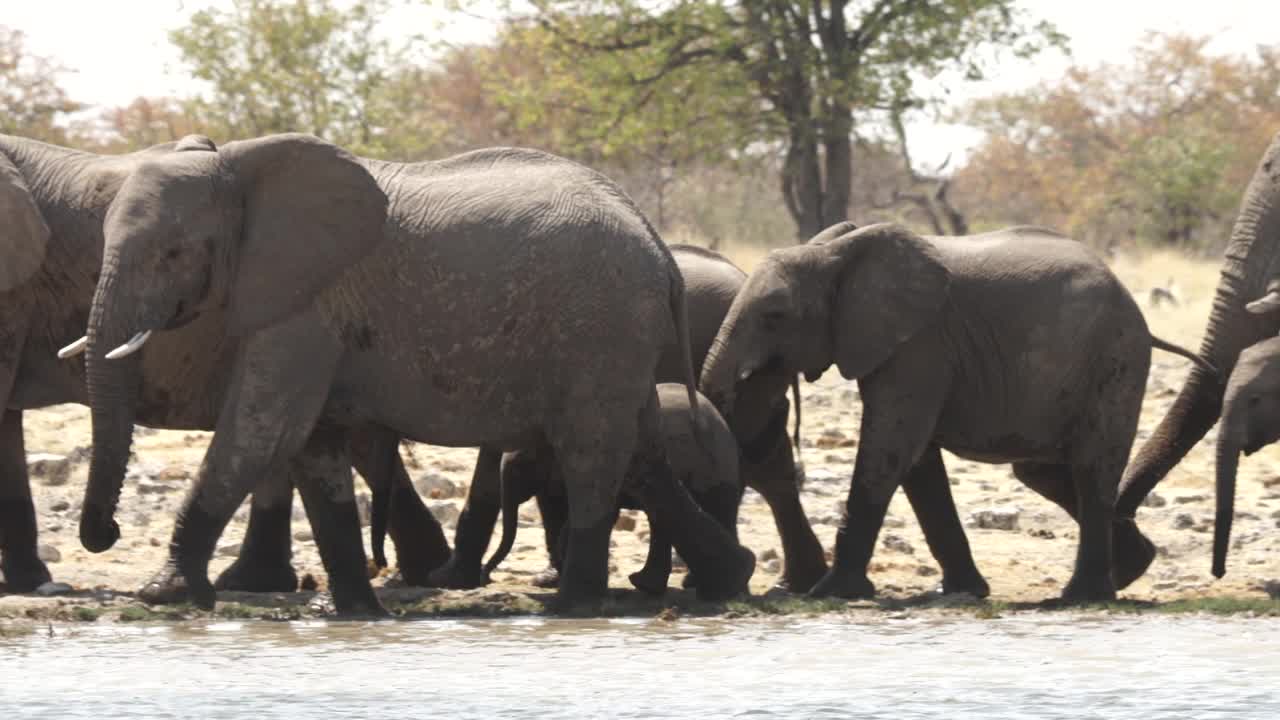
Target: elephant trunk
pixel 1247 268
pixel 113 386
pixel 1228 460
pixel 719 371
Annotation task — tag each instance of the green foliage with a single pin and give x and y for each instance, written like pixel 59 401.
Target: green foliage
pixel 746 75
pixel 294 65
pixel 1156 151
pixel 32 102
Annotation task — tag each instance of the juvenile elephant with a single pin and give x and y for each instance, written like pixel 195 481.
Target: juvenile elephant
pixel 1250 422
pixel 758 421
pixel 707 466
pixel 1248 288
pixel 52 202
pixel 499 298
pixel 1016 346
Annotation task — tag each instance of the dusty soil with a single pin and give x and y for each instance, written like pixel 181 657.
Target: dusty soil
pixel 1026 563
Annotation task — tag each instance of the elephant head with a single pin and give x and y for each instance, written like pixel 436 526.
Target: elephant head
pixel 849 296
pixel 1250 421
pixel 1250 272
pixel 255 230
pixel 24 235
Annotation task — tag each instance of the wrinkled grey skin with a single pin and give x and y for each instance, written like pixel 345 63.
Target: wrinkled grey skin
pixel 1250 270
pixel 1250 422
pixel 1016 346
pixel 759 422
pixel 52 204
pixel 498 298
pixel 706 466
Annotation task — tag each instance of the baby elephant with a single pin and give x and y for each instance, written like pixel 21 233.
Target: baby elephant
pixel 1018 346
pixel 706 465
pixel 1250 422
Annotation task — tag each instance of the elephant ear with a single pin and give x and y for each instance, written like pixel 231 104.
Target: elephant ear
pixel 23 232
pixel 891 285
pixel 311 210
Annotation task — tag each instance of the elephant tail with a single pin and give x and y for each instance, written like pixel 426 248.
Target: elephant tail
pixel 510 518
pixel 795 394
pixel 1169 347
pixel 680 313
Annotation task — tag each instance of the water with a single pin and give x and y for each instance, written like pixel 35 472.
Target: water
pixel 1017 667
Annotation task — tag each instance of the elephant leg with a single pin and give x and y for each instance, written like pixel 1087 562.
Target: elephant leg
pixel 1095 486
pixel 775 478
pixel 265 563
pixel 554 509
pixel 464 569
pixel 895 433
pixel 929 492
pixel 278 387
pixel 419 539
pixel 722 503
pixel 23 569
pixel 592 467
pixel 322 472
pixel 1132 551
pixel 652 578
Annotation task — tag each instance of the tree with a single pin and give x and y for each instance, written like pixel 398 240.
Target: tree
pixel 32 102
pixel 1155 150
pixel 796 74
pixel 294 65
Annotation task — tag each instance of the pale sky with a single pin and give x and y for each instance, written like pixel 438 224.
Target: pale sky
pixel 120 50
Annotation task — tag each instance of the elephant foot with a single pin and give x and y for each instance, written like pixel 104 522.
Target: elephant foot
pixel 1086 591
pixel 726 580
pixel 457 574
pixel 799 576
pixel 357 601
pixel 25 575
pixel 969 583
pixel 171 586
pixel 548 578
pixel 649 582
pixel 248 576
pixel 1132 553
pixel 844 584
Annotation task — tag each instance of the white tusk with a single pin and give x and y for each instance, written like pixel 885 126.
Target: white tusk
pixel 74 348
pixel 1265 304
pixel 134 345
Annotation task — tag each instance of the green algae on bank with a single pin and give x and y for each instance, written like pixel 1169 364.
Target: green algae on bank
pixel 421 603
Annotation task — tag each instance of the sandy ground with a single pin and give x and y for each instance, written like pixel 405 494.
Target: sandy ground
pixel 1029 562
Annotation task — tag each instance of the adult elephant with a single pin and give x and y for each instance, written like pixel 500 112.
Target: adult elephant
pixel 1248 289
pixel 497 298
pixel 758 421
pixel 52 204
pixel 1017 346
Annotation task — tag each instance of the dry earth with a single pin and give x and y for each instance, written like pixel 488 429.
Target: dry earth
pixel 1025 546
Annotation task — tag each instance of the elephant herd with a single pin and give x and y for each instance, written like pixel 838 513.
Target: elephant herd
pixel 314 309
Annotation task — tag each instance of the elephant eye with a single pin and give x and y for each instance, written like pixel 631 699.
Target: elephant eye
pixel 773 317
pixel 1255 400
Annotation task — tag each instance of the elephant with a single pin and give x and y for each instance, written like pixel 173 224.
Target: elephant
pixel 758 421
pixel 707 467
pixel 52 204
pixel 497 298
pixel 1250 422
pixel 1016 346
pixel 1248 288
